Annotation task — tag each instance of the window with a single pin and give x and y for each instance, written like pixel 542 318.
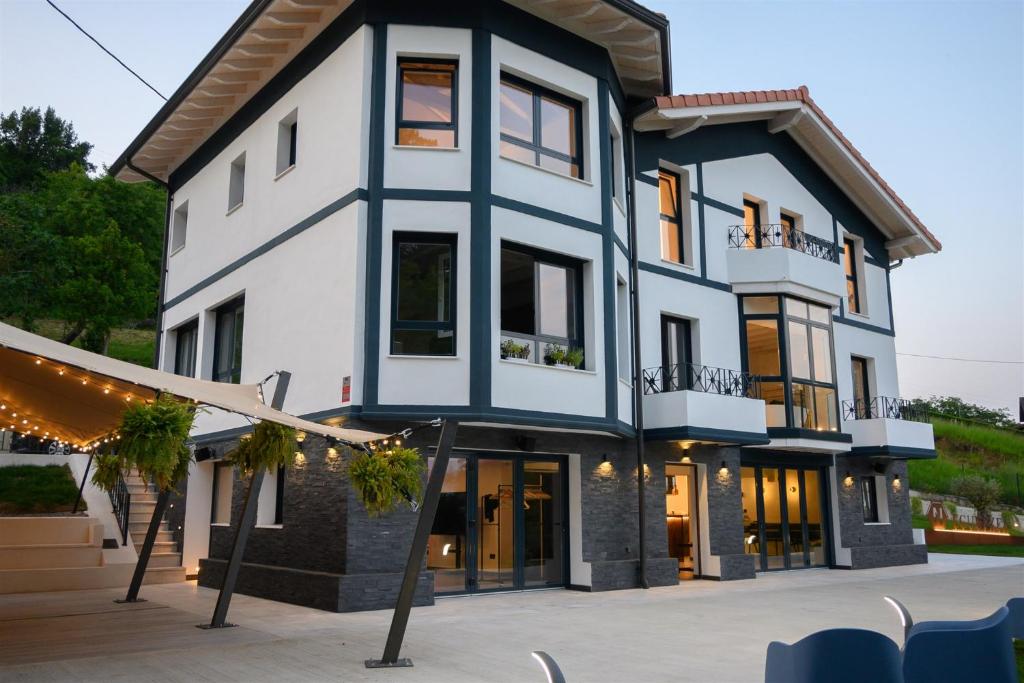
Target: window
pixel 270 505
pixel 422 296
pixel 670 209
pixel 861 390
pixel 179 226
pixel 185 342
pixel 852 283
pixel 236 190
pixel 752 224
pixel 427 103
pixel 541 299
pixel 223 482
pixel 869 500
pixel 675 353
pixel 616 161
pixel 789 348
pixel 541 127
pixel 287 141
pixel 622 329
pixel 789 228
pixel 227 345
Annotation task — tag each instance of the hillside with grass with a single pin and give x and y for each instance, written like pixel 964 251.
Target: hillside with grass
pixel 131 345
pixel 966 449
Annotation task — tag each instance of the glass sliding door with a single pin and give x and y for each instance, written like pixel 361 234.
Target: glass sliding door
pixel 783 517
pixel 495 515
pixel 446 549
pixel 543 559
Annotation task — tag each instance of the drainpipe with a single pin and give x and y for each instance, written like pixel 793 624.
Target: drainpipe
pixel 638 390
pixel 163 258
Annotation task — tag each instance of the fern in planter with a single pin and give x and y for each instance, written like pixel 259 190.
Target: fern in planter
pixel 153 437
pixel 107 471
pixel 385 479
pixel 271 446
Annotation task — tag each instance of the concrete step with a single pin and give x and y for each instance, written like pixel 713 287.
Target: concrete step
pixel 139 529
pixel 70 578
pixel 157 559
pixel 164 575
pixel 165 536
pixel 147 497
pixel 165 547
pixel 22 531
pixel 140 517
pixel 50 556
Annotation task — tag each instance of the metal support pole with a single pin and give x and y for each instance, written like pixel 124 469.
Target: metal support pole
pixel 227 589
pixel 85 477
pixel 147 548
pixel 419 548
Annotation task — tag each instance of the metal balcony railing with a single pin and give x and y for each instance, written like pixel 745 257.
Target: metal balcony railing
pixel 883 407
pixel 121 500
pixel 693 377
pixel 777 235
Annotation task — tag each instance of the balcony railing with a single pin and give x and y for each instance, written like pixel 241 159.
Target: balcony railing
pixel 883 407
pixel 777 235
pixel 121 500
pixel 693 377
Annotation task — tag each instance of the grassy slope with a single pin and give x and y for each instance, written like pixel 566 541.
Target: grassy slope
pixel 970 449
pixel 31 488
pixel 134 346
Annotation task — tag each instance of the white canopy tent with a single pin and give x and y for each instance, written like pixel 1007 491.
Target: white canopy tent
pixel 55 391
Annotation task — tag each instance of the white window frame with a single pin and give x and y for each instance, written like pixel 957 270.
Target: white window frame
pixel 236 184
pixel 284 144
pixel 179 228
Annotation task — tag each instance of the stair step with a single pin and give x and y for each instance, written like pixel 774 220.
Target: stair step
pixel 164 560
pixel 165 547
pixel 138 538
pixel 139 529
pixel 164 575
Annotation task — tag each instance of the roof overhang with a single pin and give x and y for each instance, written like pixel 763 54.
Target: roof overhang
pixel 802 119
pixel 270 33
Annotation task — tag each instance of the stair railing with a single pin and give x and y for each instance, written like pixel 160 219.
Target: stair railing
pixel 121 499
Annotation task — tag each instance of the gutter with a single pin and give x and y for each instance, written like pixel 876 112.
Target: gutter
pixel 163 258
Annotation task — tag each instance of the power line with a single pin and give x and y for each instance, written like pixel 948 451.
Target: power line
pixel 963 360
pixel 87 35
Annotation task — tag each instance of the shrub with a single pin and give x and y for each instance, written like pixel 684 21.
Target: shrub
pixel 982 493
pixel 153 437
pixel 37 489
pixel 384 479
pixel 916 506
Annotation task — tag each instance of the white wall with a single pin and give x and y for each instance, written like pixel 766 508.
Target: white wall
pixel 198 502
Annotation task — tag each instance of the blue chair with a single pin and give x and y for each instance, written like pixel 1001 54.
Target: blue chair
pixel 1016 617
pixel 981 650
pixel 550 666
pixel 838 655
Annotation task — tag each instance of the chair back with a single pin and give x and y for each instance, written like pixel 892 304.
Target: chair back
pixel 839 655
pixel 979 650
pixel 1016 617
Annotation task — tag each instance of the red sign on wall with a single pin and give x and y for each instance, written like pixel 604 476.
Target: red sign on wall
pixel 346 389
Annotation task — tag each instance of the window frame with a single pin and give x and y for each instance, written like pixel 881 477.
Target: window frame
pixel 401 122
pixel 179 225
pixel 287 152
pixel 236 183
pixel 537 93
pixel 869 500
pixel 852 274
pixel 229 307
pixel 755 207
pixel 863 411
pixel 191 327
pixel 219 468
pixel 449 239
pixel 678 220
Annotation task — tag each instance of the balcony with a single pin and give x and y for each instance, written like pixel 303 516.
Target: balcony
pixel 690 402
pixel 775 258
pixel 888 426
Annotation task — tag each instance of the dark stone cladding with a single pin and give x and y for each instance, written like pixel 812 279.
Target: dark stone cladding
pixel 876 545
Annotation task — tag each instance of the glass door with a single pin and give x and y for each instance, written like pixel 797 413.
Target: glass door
pixel 496 524
pixel 783 517
pixel 543 559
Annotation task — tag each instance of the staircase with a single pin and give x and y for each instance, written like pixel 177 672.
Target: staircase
pixel 165 561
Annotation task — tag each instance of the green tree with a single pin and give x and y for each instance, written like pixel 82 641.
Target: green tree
pixel 982 493
pixel 33 143
pixel 954 407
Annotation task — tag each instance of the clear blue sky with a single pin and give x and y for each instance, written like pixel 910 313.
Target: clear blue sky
pixel 931 93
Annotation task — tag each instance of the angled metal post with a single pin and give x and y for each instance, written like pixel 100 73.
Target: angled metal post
pixel 81 487
pixel 227 589
pixel 147 548
pixel 416 552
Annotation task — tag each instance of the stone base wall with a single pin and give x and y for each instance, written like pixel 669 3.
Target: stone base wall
pixel 735 567
pixel 620 574
pixel 888 556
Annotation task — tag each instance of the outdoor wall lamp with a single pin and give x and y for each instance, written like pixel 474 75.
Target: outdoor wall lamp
pixel 723 470
pixel 848 480
pixel 896 483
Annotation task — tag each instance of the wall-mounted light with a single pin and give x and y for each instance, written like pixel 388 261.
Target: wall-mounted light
pixel 446 548
pixel 848 480
pixel 896 483
pixel 723 471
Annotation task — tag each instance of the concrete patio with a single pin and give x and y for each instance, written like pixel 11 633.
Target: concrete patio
pixel 697 631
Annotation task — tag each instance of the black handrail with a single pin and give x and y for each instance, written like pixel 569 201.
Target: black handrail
pixel 884 407
pixel 121 499
pixel 777 235
pixel 694 377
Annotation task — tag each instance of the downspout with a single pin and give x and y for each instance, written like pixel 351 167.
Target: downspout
pixel 163 258
pixel 638 390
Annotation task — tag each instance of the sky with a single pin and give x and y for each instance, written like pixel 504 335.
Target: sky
pixel 931 93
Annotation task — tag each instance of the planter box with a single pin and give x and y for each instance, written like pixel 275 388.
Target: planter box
pixel 948 537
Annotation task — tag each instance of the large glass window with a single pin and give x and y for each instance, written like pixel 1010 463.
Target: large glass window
pixel 423 303
pixel 675 353
pixel 670 210
pixel 751 224
pixel 541 127
pixel 540 299
pixel 227 347
pixel 427 103
pixel 798 386
pixel 861 390
pixel 185 342
pixel 852 285
pixel 869 499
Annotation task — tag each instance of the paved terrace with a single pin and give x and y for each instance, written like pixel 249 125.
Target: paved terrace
pixel 697 631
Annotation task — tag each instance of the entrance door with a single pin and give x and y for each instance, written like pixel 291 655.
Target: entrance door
pixel 783 516
pixel 681 518
pixel 500 525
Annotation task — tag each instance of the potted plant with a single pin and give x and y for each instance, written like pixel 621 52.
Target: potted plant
pixel 574 357
pixel 384 478
pixel 554 354
pixel 152 441
pixel 511 350
pixel 271 446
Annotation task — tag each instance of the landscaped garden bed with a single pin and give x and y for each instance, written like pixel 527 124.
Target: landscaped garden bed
pixel 37 489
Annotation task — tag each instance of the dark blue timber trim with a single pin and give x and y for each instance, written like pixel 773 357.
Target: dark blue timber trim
pixel 621 245
pixel 526 418
pixel 699 194
pixel 721 206
pixel 769 456
pixel 723 436
pixel 547 214
pixel 901 452
pixel 686 277
pixel 812 434
pixel 863 326
pixel 482 350
pixel 374 216
pixel 701 201
pixel 835 239
pixel 608 280
pixel 421 195
pixel 888 295
pixel 297 229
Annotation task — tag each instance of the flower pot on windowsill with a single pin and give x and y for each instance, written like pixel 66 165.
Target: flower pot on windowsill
pixel 516 359
pixel 565 366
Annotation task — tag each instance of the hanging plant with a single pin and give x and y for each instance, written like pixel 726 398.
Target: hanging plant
pixel 385 479
pixel 153 437
pixel 271 446
pixel 107 471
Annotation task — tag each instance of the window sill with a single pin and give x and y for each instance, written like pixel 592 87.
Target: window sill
pixel 618 204
pixel 269 526
pixel 427 148
pixel 862 316
pixel 626 383
pixel 406 356
pixel 547 367
pixel 234 208
pixel 283 173
pixel 175 251
pixel 548 171
pixel 681 266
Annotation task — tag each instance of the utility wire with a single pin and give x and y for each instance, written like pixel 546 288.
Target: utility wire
pixel 87 35
pixel 963 360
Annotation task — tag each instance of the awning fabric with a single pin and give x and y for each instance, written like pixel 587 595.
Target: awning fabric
pixel 56 391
